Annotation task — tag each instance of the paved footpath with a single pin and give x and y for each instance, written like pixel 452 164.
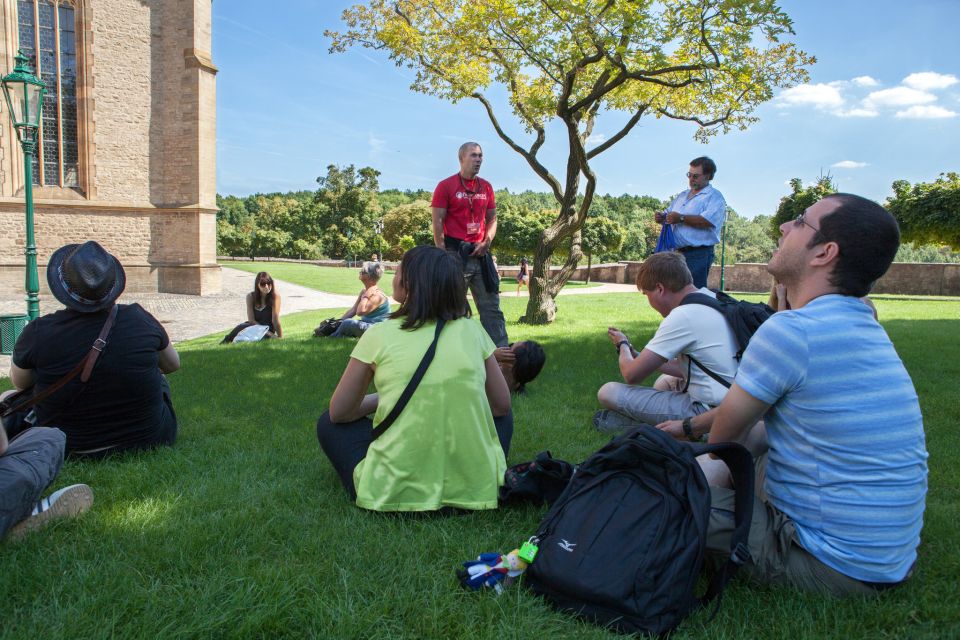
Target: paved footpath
pixel 187 317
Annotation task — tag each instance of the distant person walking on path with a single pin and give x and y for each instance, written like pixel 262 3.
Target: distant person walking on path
pixel 522 277
pixel 697 216
pixel 465 222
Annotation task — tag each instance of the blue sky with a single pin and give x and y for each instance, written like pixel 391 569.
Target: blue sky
pixel 883 103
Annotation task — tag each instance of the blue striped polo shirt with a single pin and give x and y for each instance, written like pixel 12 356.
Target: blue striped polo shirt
pixel 847 460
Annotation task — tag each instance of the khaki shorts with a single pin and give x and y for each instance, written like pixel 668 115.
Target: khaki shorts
pixel 776 555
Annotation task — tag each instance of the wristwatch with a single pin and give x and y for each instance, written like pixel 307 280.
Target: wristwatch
pixel 688 429
pixel 682 217
pixel 621 343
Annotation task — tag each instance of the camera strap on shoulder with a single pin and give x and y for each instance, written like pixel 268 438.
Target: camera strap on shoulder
pixel 84 369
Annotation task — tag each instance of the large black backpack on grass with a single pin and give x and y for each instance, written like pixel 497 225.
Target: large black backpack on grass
pixel 624 544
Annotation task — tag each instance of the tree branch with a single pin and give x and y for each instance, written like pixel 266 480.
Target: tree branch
pixel 529 156
pixel 619 135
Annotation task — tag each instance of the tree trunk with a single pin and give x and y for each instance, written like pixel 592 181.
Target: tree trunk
pixel 589 264
pixel 544 286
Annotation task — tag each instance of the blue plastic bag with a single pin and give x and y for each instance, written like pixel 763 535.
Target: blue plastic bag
pixel 666 241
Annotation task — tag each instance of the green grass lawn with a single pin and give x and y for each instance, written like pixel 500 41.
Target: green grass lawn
pixel 242 528
pixel 342 279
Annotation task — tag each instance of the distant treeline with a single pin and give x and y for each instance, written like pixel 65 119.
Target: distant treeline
pixel 349 216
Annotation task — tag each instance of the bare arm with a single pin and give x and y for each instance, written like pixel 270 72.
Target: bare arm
pixel 738 412
pixel 22 378
pixel 278 330
pixel 250 317
pixel 350 400
pixel 634 368
pixel 352 311
pixel 674 368
pixel 169 359
pixel 369 301
pixel 498 393
pixel 438 215
pixel 698 222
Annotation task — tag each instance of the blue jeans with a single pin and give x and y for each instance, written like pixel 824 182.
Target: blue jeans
pixel 699 260
pixel 30 464
pixel 350 328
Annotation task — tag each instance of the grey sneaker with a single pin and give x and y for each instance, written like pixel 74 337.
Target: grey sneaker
pixel 607 421
pixel 68 502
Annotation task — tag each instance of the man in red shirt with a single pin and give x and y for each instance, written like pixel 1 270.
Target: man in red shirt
pixel 465 222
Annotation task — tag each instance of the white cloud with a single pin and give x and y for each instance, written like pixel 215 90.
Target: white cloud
pixel 898 97
pixel 926 112
pixel 848 164
pixel 822 96
pixel 927 80
pixel 865 81
pixel 596 138
pixel 376 144
pixel 856 112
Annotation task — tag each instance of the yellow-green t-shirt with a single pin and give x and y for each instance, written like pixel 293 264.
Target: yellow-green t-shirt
pixel 443 449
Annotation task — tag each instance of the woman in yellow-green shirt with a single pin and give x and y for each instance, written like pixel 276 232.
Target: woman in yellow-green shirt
pixel 447 447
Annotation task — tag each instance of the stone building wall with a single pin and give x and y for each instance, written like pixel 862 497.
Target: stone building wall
pixel 148 127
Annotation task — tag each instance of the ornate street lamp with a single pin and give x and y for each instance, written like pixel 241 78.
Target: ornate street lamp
pixel 24 94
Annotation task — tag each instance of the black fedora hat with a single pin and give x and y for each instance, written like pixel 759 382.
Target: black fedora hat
pixel 84 277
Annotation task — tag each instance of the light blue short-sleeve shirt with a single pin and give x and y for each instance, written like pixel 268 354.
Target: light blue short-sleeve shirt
pixel 708 203
pixel 847 460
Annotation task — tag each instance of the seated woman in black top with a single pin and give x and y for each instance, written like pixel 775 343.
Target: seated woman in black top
pixel 263 308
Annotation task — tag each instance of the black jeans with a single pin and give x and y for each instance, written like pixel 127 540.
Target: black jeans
pixel 346 444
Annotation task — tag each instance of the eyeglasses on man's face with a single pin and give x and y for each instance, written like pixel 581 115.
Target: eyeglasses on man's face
pixel 799 222
pixel 694 175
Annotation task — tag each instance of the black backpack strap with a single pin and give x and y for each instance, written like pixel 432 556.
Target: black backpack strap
pixel 412 385
pixel 714 375
pixel 740 463
pixel 702 298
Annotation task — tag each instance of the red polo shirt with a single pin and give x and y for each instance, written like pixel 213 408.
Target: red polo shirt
pixel 467 203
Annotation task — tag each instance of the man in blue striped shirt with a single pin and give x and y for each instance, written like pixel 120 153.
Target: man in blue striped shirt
pixel 697 216
pixel 841 488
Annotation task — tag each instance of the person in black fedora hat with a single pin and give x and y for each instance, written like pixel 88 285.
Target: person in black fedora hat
pixel 124 404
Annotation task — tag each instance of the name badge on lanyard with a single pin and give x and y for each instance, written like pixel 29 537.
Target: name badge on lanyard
pixel 473 223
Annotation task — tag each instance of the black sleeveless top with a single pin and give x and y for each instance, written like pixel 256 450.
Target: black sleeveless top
pixel 264 316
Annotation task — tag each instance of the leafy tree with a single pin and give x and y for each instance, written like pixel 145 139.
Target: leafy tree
pixel 928 212
pixel 348 212
pixel 799 199
pixel 572 60
pixel 411 220
pixel 600 234
pixel 519 228
pixel 746 240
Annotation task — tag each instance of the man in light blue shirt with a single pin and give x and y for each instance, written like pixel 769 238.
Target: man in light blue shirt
pixel 697 216
pixel 841 489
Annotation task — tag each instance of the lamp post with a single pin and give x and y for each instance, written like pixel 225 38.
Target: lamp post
pixel 24 94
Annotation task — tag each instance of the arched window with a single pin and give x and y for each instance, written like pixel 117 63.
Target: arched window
pixel 47 35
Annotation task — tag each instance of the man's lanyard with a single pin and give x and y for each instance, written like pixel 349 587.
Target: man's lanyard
pixel 472 219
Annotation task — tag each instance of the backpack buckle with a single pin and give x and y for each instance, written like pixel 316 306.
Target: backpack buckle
pixel 740 554
pixel 99 344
